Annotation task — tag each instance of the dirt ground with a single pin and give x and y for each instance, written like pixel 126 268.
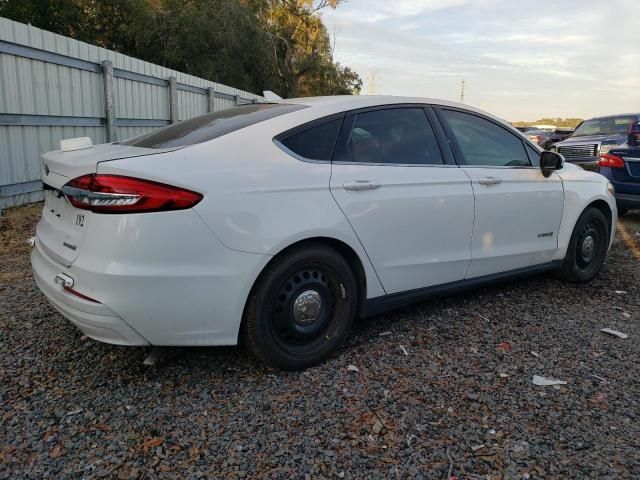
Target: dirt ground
pixel 441 389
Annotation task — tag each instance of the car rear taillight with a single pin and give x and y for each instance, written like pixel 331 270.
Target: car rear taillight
pixel 610 161
pixel 120 194
pixel 634 134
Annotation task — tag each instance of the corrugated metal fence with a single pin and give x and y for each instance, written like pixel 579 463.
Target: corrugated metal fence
pixel 53 87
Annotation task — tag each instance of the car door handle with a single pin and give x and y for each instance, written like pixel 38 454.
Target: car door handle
pixel 490 181
pixel 358 185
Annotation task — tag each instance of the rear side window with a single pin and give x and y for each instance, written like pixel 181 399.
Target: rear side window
pixel 391 136
pixel 314 143
pixel 483 143
pixel 211 125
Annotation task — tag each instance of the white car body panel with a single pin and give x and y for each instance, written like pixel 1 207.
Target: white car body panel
pixel 258 206
pixel 181 299
pixel 183 277
pixel 581 188
pixel 511 218
pixel 77 162
pixel 416 228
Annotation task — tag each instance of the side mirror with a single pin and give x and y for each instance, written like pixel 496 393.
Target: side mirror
pixel 634 135
pixel 550 161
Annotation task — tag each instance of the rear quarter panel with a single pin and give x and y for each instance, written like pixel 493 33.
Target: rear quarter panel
pixel 257 198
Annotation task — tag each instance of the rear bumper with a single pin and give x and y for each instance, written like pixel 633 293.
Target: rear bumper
pixel 628 201
pixel 161 279
pixel 94 319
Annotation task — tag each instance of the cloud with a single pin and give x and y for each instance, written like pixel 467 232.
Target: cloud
pixel 575 58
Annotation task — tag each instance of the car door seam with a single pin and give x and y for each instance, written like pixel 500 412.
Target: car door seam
pixel 564 201
pixel 354 231
pixel 473 226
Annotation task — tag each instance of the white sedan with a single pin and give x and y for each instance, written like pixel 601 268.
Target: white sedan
pixel 278 224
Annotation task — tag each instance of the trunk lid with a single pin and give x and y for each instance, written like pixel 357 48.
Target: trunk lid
pixel 62 228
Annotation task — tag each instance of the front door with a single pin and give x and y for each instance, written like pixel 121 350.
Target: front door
pixel 412 212
pixel 517 210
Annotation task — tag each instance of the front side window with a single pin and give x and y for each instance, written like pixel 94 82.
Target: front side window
pixel 392 136
pixel 534 156
pixel 483 143
pixel 211 125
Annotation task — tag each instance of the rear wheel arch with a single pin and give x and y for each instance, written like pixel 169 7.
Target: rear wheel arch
pixel 287 334
pixel 342 248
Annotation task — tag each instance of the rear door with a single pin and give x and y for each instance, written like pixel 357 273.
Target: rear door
pixel 517 210
pixel 410 205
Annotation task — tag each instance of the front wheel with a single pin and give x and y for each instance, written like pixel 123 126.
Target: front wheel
pixel 587 248
pixel 301 308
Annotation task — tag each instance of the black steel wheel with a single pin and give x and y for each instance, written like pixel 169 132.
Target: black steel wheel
pixel 587 245
pixel 587 248
pixel 301 308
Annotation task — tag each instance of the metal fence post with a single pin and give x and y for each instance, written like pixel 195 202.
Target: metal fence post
pixel 173 99
pixel 211 96
pixel 236 99
pixel 109 102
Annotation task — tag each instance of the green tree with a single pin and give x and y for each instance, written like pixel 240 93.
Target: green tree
pixel 255 45
pixel 558 122
pixel 117 24
pixel 221 40
pixel 302 48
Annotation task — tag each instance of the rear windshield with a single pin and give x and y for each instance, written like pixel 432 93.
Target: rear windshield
pixel 604 126
pixel 211 125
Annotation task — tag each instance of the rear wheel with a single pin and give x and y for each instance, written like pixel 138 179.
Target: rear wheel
pixel 587 248
pixel 301 309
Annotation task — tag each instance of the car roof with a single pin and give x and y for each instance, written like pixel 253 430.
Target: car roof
pixel 353 102
pixel 615 115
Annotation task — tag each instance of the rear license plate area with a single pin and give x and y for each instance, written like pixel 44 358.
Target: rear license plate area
pixel 60 211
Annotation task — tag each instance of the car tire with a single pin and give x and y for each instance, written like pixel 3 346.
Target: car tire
pixel 587 248
pixel 301 308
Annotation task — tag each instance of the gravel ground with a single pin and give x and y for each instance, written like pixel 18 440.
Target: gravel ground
pixel 460 402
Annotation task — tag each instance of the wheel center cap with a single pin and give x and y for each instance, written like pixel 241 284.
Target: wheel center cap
pixel 306 307
pixel 587 246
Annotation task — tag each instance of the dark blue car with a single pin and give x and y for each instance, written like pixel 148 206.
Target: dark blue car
pixel 595 137
pixel 621 165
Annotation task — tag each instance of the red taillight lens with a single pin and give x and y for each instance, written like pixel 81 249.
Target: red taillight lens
pixel 610 161
pixel 119 194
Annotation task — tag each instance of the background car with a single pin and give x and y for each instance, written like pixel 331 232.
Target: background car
pixel 281 223
pixel 537 136
pixel 558 135
pixel 621 165
pixel 526 129
pixel 595 137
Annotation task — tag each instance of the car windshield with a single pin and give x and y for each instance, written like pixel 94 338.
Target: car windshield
pixel 604 126
pixel 211 125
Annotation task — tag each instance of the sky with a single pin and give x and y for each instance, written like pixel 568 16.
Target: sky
pixel 519 60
